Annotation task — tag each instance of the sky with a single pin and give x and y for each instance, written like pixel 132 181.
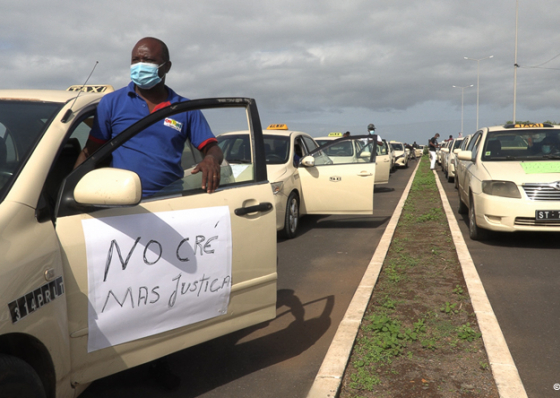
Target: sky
pixel 318 66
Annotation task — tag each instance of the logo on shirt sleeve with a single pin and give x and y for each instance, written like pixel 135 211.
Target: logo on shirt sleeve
pixel 174 124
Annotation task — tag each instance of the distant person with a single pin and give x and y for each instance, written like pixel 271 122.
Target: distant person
pixel 433 146
pixel 415 145
pixel 371 131
pixel 347 134
pixel 450 137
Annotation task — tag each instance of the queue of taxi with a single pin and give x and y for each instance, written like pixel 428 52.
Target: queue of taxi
pixel 87 260
pixel 508 179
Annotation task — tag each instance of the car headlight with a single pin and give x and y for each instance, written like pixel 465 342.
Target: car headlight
pixel 501 188
pixel 277 187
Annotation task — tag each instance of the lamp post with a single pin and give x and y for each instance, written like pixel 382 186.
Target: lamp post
pixel 515 66
pixel 478 82
pixel 462 95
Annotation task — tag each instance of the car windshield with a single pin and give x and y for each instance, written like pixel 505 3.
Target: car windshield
pixel 22 123
pixel 522 144
pixel 457 144
pixel 397 147
pixel 236 148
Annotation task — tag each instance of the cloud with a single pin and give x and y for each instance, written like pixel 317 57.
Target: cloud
pixel 355 62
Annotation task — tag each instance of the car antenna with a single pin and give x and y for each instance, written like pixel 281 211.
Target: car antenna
pixel 69 111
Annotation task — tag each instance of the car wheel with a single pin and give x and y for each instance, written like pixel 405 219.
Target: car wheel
pixel 449 178
pixel 475 232
pixel 463 209
pixel 291 221
pixel 18 379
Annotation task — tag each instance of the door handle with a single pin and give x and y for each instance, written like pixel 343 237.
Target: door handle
pixel 364 174
pixel 253 209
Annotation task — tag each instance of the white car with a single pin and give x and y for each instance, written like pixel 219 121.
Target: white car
pixel 449 165
pixel 511 181
pixel 400 154
pixel 304 184
pixel 94 279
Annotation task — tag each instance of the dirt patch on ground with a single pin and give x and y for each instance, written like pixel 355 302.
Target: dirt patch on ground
pixel 419 336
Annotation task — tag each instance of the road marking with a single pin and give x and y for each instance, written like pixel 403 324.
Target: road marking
pixel 503 367
pixel 328 379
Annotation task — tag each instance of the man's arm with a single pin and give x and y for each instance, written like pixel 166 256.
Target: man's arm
pixel 89 148
pixel 210 166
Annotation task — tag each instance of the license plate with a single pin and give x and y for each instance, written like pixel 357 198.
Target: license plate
pixel 547 215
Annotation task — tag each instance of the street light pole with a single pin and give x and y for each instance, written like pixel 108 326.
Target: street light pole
pixel 462 95
pixel 515 66
pixel 478 83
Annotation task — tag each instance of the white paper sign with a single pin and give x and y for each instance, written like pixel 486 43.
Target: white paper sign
pixel 149 273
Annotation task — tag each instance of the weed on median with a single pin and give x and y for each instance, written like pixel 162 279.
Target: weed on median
pixel 419 336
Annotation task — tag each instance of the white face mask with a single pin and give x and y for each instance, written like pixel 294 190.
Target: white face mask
pixel 546 149
pixel 145 75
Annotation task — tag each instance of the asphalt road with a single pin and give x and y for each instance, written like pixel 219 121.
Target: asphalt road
pixel 520 272
pixel 318 272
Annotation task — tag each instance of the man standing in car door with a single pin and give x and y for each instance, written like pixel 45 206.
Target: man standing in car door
pixel 155 153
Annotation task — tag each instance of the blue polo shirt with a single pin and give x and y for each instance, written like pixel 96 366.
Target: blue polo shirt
pixel 155 153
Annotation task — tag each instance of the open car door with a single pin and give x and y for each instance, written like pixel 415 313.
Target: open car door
pixel 148 277
pixel 341 188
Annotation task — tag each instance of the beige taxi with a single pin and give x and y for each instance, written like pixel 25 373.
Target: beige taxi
pixel 448 164
pixel 510 179
pixel 400 154
pixel 304 179
pixel 94 279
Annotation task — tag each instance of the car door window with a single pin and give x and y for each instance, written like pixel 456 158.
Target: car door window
pixel 474 144
pixel 230 174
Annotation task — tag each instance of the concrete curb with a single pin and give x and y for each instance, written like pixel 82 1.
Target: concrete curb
pixel 328 379
pixel 501 362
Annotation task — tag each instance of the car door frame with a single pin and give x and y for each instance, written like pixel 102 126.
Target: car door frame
pixel 320 183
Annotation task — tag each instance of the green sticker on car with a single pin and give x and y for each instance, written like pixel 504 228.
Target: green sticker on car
pixel 541 167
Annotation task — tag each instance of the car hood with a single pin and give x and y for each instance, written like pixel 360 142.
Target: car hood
pixel 514 171
pixel 276 172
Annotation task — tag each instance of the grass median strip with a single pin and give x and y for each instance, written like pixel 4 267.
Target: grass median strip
pixel 419 336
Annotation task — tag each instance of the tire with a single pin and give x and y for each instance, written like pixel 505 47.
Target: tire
pixel 291 220
pixel 18 379
pixel 475 232
pixel 463 209
pixel 449 178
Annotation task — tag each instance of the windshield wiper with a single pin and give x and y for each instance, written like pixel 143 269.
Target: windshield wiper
pixel 551 156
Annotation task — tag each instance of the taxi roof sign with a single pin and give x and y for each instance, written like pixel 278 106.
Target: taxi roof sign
pixel 335 134
pixel 277 127
pixel 92 88
pixel 527 125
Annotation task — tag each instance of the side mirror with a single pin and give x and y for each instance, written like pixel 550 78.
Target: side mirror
pixel 457 150
pixel 109 187
pixel 308 161
pixel 465 155
pixel 444 150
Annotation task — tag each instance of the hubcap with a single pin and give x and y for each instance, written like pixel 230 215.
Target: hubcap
pixel 293 215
